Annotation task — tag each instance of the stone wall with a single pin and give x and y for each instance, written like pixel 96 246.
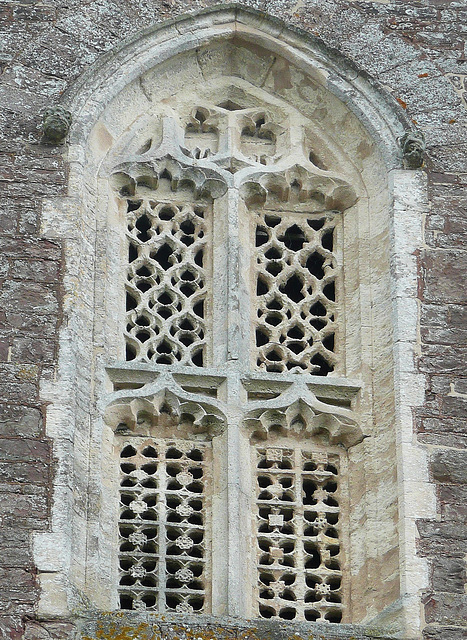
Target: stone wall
pixel 416 51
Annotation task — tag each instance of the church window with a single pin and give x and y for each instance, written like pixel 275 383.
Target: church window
pixel 285 223
pixel 238 288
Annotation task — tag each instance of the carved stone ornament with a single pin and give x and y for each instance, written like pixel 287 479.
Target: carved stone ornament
pixel 299 411
pixel 413 148
pixel 459 82
pixel 56 124
pixel 163 514
pixel 163 412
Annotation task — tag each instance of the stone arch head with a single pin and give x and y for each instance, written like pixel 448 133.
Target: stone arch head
pixel 165 104
pixel 243 43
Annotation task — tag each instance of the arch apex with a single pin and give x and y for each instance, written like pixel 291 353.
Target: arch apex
pixel 251 29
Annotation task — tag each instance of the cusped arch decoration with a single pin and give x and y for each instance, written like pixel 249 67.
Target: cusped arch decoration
pixel 299 413
pixel 146 415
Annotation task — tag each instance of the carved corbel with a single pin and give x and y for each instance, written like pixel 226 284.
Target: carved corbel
pixel 413 149
pixel 56 122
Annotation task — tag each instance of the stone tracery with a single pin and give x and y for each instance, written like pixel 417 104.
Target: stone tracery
pixel 212 148
pixel 298 546
pixel 167 292
pixel 176 213
pixel 295 292
pixel 163 546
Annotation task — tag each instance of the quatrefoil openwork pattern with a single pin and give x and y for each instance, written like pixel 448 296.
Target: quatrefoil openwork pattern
pixel 298 546
pixel 167 285
pixel 296 292
pixel 173 189
pixel 162 552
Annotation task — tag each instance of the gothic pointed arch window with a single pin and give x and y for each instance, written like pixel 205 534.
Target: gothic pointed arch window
pixel 234 269
pixel 236 412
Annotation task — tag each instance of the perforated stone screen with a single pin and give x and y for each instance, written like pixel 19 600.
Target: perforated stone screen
pixel 299 570
pixel 295 292
pixel 163 546
pixel 167 286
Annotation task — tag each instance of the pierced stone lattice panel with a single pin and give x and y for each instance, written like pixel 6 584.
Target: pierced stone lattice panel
pixel 299 574
pixel 163 548
pixel 167 282
pixel 296 292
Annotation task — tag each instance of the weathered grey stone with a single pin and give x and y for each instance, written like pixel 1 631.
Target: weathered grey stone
pixel 449 574
pixel 450 466
pixel 55 125
pixel 413 148
pixel 20 421
pixel 447 609
pixel 437 632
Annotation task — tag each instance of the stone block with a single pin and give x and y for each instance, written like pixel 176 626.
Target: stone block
pixel 437 632
pixel 49 630
pixel 17 100
pixel 28 297
pixel 37 270
pixel 37 324
pixel 452 494
pixel 443 359
pixel 442 432
pixel 449 466
pixel 24 472
pixel 23 509
pixel 434 315
pixel 454 512
pixel 19 390
pixel 18 247
pixel 457 316
pixel 32 13
pixel 18 603
pixel 445 276
pixel 24 449
pixel 31 349
pixel 441 538
pixel 446 609
pixel 15 547
pixel 12 578
pixel 449 574
pixel 443 335
pixel 11 627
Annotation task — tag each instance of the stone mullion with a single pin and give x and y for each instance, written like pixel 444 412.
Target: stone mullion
pixel 162 531
pixel 238 506
pixel 233 266
pixel 299 529
pixel 237 359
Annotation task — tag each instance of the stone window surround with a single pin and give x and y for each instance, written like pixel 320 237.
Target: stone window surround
pixel 408 189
